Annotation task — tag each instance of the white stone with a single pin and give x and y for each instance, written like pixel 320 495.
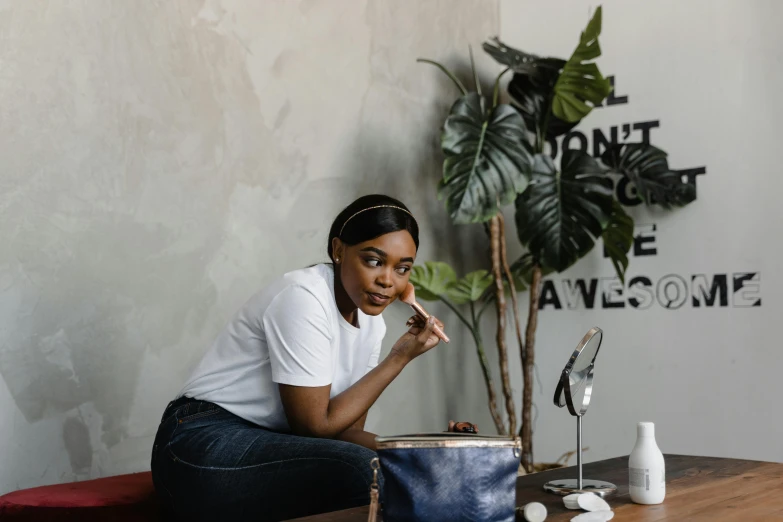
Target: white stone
pixel 535 512
pixel 592 502
pixel 594 516
pixel 572 501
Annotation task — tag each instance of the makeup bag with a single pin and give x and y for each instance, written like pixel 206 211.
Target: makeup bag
pixel 454 477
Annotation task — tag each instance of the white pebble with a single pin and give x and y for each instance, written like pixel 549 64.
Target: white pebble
pixel 572 501
pixel 535 512
pixel 592 502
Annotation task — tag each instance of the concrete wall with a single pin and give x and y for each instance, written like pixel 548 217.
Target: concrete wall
pixel 161 160
pixel 704 77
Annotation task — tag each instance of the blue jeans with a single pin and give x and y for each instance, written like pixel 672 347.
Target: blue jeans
pixel 209 464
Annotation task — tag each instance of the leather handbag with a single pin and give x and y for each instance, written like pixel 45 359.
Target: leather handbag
pixel 454 477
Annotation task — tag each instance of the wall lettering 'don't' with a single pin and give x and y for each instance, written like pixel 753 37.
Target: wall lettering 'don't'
pixel 672 291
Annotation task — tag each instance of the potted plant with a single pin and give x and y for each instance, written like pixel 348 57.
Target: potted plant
pixel 488 162
pixel 496 154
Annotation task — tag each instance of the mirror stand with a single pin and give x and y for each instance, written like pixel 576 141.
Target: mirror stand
pixel 567 486
pixel 574 390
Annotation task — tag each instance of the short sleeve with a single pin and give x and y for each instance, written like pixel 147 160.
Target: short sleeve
pixel 296 327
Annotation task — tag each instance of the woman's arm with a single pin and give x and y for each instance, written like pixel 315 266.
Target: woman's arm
pixel 310 411
pixel 360 437
pixel 357 435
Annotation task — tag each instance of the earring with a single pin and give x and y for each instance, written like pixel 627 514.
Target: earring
pixel 336 259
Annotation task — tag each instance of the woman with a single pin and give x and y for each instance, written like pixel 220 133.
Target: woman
pixel 270 425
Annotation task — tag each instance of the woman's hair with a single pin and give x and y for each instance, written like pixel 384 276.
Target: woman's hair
pixel 369 217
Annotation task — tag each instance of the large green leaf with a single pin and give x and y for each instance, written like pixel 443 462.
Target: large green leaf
pixel 533 100
pixel 648 170
pixel 488 159
pixel 561 213
pixel 471 287
pixel 432 279
pixel 520 61
pixel 618 238
pixel 532 86
pixel 581 86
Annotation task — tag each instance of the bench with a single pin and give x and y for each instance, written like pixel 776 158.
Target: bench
pixel 122 498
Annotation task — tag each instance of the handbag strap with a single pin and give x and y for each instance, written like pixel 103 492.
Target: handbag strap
pixel 375 464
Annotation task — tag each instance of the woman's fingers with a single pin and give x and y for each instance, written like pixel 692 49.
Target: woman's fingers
pixel 415 325
pixel 420 337
pixel 426 333
pixel 415 320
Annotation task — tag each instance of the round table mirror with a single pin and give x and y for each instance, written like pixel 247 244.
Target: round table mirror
pixel 576 380
pixel 574 390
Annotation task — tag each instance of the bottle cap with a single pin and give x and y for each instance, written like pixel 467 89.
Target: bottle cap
pixel 645 429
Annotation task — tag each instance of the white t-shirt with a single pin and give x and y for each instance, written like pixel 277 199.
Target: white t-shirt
pixel 290 333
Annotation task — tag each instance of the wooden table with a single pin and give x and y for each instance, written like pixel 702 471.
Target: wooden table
pixel 697 488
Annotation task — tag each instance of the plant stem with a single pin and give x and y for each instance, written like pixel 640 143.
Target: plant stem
pixel 461 317
pixel 475 74
pixel 527 379
pixel 496 91
pixel 484 308
pixel 511 285
pixel 474 330
pixel 528 360
pixel 544 127
pixel 448 73
pixel 500 291
pixel 493 403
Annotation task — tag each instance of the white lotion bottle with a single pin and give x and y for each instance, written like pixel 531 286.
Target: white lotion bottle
pixel 646 468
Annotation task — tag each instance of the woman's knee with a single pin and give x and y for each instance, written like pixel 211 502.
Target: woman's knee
pixel 347 466
pixel 361 462
pixel 362 459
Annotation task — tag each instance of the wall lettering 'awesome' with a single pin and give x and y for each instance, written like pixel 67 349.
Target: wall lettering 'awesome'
pixel 741 289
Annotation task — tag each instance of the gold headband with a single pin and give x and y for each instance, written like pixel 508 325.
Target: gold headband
pixel 371 208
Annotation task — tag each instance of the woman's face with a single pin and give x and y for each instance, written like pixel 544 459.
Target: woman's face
pixel 376 272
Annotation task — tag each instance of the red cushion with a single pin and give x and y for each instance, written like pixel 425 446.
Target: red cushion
pixel 121 498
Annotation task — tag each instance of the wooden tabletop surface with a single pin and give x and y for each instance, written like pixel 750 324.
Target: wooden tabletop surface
pixel 697 488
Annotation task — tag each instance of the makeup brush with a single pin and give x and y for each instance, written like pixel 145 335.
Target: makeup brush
pixel 408 297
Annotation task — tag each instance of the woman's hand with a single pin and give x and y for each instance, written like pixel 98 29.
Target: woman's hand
pixel 419 338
